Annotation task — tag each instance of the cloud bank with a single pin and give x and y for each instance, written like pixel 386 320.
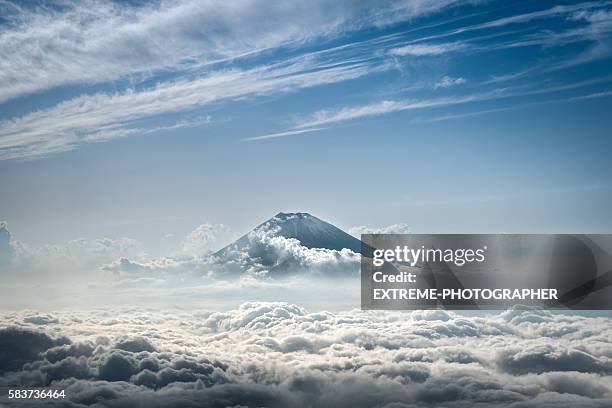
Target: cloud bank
pixel 103 267
pixel 278 354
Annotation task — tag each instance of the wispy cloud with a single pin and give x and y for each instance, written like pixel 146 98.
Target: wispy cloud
pixel 448 81
pixel 513 106
pixel 426 49
pixel 283 134
pixel 331 116
pixel 105 116
pixel 93 42
pixel 326 118
pixel 41 48
pixel 117 131
pixel 556 11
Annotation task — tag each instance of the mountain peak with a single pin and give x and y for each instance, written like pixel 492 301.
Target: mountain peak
pixel 311 231
pixel 277 247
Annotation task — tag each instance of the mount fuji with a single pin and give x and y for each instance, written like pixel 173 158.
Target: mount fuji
pixel 311 231
pixel 290 242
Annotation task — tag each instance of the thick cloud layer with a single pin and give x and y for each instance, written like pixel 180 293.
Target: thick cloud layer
pixel 279 355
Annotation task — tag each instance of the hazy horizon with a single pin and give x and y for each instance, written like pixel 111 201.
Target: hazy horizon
pixel 443 116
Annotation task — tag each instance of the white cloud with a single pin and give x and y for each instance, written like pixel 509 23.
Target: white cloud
pixel 207 237
pixel 265 253
pixel 331 116
pixel 117 131
pixel 160 267
pixel 426 49
pixel 388 229
pixel 283 134
pixel 448 81
pixel 76 258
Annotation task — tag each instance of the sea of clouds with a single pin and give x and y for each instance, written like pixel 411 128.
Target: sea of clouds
pixel 267 354
pixel 193 341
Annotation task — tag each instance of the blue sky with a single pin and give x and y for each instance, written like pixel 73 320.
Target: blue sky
pixel 145 120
